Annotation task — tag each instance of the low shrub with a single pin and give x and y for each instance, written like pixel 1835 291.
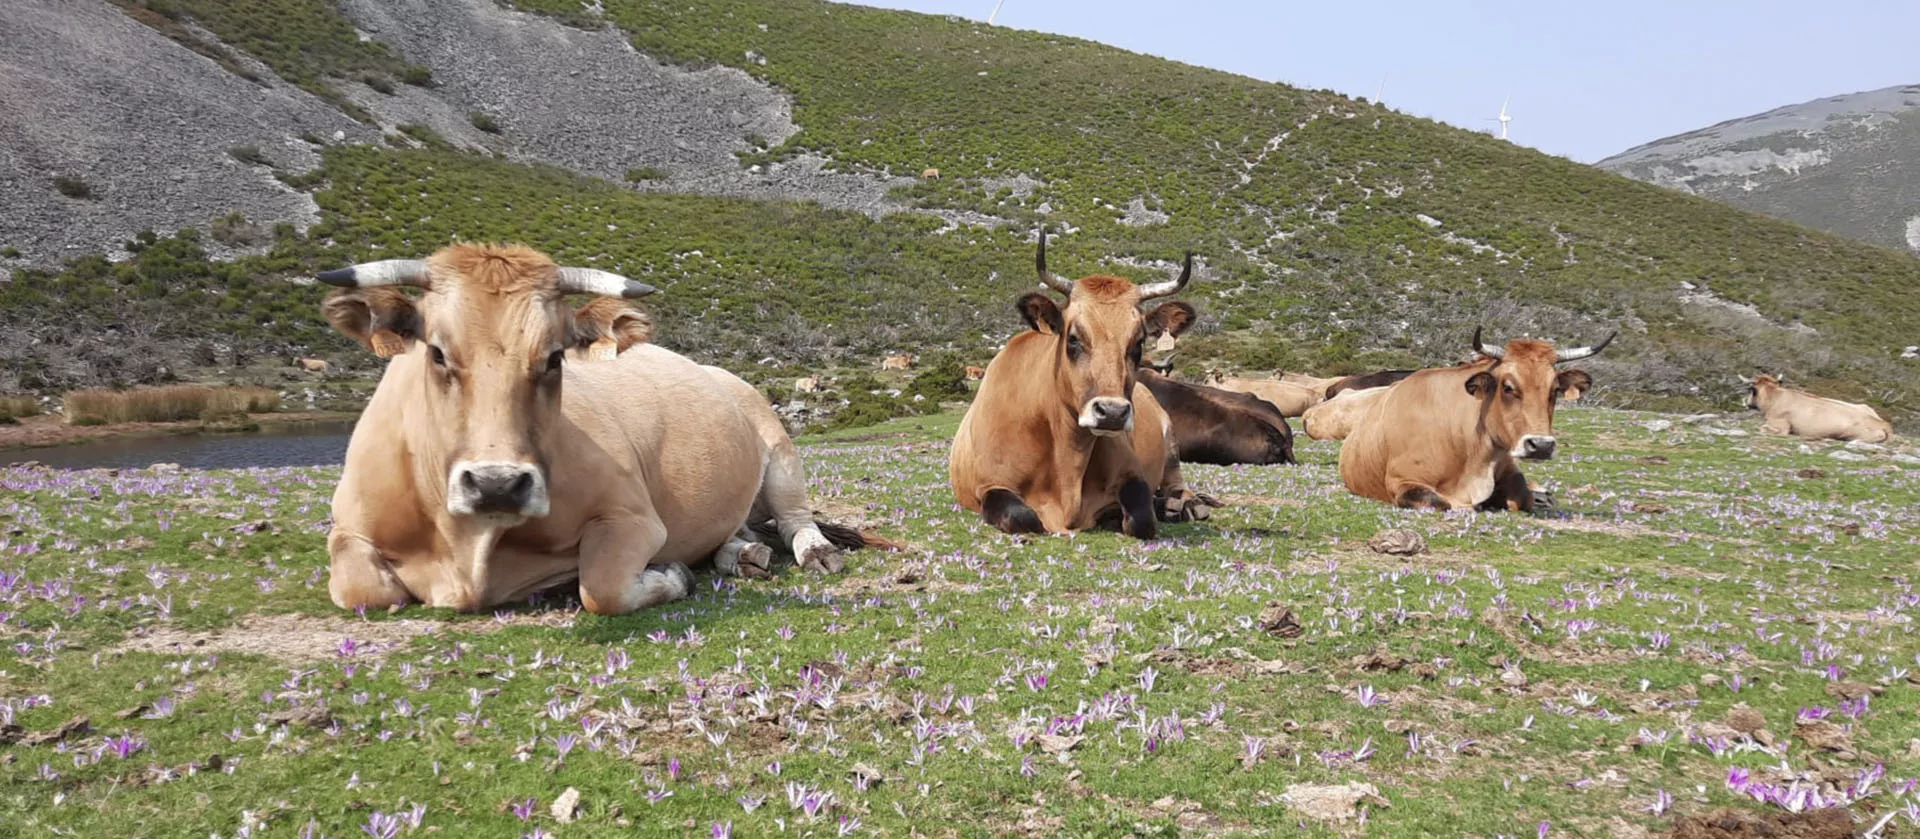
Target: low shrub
pixel 250 155
pixel 73 187
pixel 12 408
pixel 173 403
pixel 646 173
pixel 484 121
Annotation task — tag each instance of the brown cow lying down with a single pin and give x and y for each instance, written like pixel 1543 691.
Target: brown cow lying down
pixel 1291 399
pixel 487 467
pixel 1061 436
pixel 1367 381
pixel 1221 427
pixel 1803 414
pixel 1336 418
pixel 1450 437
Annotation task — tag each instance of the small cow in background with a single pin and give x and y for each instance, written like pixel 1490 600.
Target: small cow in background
pixel 975 374
pixel 810 384
pixel 313 365
pixel 930 173
pixel 898 361
pixel 1803 414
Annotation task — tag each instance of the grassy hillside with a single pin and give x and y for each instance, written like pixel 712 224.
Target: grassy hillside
pixel 1594 674
pixel 1336 234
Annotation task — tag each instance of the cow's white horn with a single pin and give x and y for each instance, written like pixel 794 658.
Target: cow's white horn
pixel 1046 277
pixel 1483 349
pixel 1577 353
pixel 604 283
pixel 1148 292
pixel 384 272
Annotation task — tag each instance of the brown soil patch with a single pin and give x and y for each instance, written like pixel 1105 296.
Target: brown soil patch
pixel 1728 823
pixel 287 637
pixel 52 430
pixel 1629 529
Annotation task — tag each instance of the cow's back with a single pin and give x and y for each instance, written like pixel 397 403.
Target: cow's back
pixel 1424 429
pixel 678 432
pixel 1336 418
pixel 1820 418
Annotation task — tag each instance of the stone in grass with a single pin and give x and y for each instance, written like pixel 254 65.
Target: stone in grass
pixel 566 806
pixel 1334 803
pixel 1746 720
pixel 1279 620
pixel 1398 543
pixel 1824 736
pixel 1847 456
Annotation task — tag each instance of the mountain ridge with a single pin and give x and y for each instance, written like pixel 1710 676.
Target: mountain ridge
pixel 1336 234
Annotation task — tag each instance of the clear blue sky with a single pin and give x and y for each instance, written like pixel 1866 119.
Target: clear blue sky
pixel 1587 79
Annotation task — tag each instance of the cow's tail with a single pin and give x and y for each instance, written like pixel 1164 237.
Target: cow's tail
pixel 852 539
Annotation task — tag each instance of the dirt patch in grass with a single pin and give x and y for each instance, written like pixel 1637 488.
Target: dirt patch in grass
pixel 287 637
pixel 1632 530
pixel 1728 823
pixel 1237 500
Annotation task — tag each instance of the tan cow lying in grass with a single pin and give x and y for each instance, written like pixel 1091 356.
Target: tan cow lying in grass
pixel 486 467
pixel 1803 414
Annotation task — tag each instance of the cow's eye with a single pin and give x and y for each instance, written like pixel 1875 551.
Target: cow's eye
pixel 1074 347
pixel 1510 389
pixel 439 357
pixel 555 359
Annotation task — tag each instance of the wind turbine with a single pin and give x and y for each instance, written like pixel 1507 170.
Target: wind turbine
pixel 996 11
pixel 1382 91
pixel 1504 117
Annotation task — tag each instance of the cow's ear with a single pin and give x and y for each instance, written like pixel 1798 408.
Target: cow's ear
pixel 1041 313
pixel 607 326
pixel 1170 319
pixel 1480 384
pixel 1572 383
pixel 382 319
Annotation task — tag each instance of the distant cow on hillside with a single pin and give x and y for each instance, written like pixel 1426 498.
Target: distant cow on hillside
pixel 930 173
pixel 1803 414
pixel 313 365
pixel 898 361
pixel 975 374
pixel 810 384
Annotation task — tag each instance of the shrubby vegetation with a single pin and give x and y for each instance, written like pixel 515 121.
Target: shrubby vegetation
pixel 166 404
pixel 1336 235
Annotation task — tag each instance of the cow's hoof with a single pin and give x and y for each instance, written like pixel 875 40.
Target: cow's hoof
pixel 1543 502
pixel 1209 501
pixel 756 562
pixel 823 559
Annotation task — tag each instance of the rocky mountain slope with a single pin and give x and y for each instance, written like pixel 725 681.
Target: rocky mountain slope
pixel 761 161
pixel 1845 164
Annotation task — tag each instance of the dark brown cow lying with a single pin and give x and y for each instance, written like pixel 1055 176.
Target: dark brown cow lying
pixel 1221 427
pixel 1366 381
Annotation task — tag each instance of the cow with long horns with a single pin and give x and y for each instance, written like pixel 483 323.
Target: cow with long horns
pixel 1451 437
pixel 1062 436
pixel 487 467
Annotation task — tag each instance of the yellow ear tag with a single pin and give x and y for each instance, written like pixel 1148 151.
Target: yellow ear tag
pixel 604 349
pixel 387 343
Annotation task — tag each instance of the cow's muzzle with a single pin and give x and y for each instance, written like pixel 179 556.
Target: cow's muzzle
pixel 1534 447
pixel 1107 415
pixel 496 488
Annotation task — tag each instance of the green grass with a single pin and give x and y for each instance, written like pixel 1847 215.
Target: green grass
pixel 1748 576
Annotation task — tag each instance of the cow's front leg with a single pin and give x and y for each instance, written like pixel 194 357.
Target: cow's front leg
pixel 1137 518
pixel 1008 512
pixel 616 571
pixel 1511 491
pixel 1415 496
pixel 1178 502
pixel 360 577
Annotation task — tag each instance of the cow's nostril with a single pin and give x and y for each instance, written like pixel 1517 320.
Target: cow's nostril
pixel 468 480
pixel 521 485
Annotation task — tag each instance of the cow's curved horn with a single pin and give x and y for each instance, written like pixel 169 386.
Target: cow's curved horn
pixel 1577 353
pixel 1743 379
pixel 1046 277
pixel 411 272
pixel 574 280
pixel 1148 292
pixel 1483 349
